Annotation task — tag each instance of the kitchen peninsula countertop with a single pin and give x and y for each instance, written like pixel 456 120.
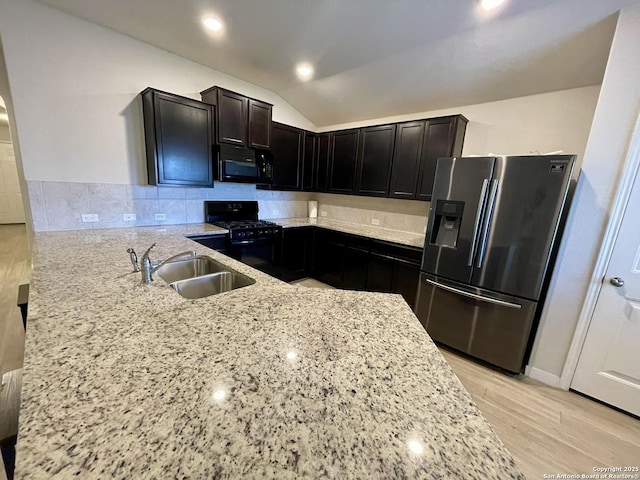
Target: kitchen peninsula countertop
pixel 379 233
pixel 131 381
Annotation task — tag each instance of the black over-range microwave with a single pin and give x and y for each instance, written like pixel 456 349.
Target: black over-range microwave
pixel 240 164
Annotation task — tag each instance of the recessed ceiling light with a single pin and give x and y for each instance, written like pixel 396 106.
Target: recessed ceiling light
pixel 304 71
pixel 212 24
pixel 491 4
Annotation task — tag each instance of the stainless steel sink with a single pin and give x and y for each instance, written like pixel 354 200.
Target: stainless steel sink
pixel 211 284
pixel 193 267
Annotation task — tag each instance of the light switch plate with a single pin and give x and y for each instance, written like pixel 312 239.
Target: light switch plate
pixel 89 217
pixel 161 216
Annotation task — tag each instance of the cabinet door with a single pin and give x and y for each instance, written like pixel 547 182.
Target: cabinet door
pixel 406 278
pixel 334 263
pixel 232 115
pixel 343 159
pixel 178 137
pixel 259 124
pixel 442 138
pixel 380 274
pixel 356 262
pixel 329 257
pixel 309 162
pixel 287 157
pixel 406 160
pixel 322 162
pixel 297 252
pixel 374 160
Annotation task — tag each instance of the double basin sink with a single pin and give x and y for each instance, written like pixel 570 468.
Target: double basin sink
pixel 201 276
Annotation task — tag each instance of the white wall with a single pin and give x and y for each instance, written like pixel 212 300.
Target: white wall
pixel 615 116
pixel 75 92
pixel 536 123
pixel 5 135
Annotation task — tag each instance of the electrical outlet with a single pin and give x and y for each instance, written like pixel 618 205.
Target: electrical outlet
pixel 375 221
pixel 89 217
pixel 275 213
pixel 323 214
pixel 129 217
pixel 161 216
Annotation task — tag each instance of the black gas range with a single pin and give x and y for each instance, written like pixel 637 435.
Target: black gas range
pixel 250 240
pixel 241 219
pixel 246 231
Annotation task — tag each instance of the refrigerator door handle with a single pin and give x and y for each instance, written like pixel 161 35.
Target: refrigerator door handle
pixel 487 223
pixel 476 226
pixel 502 303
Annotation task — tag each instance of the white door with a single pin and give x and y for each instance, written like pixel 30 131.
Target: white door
pixel 609 364
pixel 11 209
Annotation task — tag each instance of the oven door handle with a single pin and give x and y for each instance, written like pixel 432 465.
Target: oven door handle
pixel 260 241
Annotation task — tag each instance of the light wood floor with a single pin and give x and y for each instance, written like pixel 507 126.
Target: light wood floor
pixel 15 269
pixel 548 431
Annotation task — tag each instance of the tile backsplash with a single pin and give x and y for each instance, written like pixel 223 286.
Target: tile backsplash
pixel 60 205
pixel 395 214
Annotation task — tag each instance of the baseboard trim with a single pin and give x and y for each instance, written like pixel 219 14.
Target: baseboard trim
pixel 542 376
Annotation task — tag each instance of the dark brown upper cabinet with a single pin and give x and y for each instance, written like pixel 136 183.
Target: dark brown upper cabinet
pixel 375 154
pixel 315 163
pixel 259 124
pixel 178 138
pixel 394 160
pixel 322 162
pixel 241 120
pixel 406 160
pixel 287 151
pixel 309 161
pixel 443 137
pixel 343 159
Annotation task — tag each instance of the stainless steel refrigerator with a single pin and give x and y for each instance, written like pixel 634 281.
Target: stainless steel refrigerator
pixel 493 225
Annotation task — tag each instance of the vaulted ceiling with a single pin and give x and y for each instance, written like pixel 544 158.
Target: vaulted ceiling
pixel 376 58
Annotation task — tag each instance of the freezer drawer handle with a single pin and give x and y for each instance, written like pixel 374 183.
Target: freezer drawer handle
pixel 502 303
pixel 476 226
pixel 487 223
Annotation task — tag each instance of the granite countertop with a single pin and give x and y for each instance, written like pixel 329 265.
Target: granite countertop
pixel 379 233
pixel 131 381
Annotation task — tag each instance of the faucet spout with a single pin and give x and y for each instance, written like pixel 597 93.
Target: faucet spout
pixel 188 254
pixel 145 264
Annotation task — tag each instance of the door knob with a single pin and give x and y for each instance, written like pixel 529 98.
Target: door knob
pixel 616 281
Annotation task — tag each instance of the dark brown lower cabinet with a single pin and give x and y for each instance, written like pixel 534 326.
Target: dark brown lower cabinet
pixel 356 264
pixel 380 278
pixel 360 263
pixel 296 253
pixel 406 278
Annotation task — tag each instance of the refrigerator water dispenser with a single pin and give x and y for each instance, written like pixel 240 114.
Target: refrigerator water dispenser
pixel 446 225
